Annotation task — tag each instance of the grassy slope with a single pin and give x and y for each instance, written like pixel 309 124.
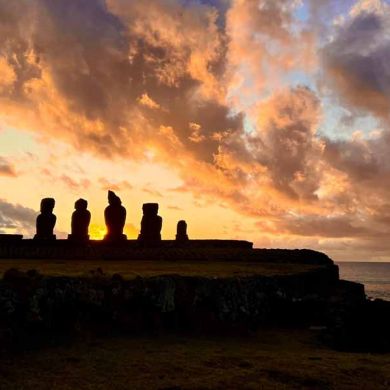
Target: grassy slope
pixel 277 359
pixel 131 269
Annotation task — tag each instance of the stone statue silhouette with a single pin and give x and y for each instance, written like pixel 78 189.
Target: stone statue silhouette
pixel 181 232
pixel 115 218
pixel 151 224
pixel 46 220
pixel 81 218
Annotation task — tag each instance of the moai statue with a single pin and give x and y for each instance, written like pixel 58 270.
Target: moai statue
pixel 46 220
pixel 181 232
pixel 151 224
pixel 115 218
pixel 81 218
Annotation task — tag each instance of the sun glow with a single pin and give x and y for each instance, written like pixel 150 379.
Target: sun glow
pixel 97 232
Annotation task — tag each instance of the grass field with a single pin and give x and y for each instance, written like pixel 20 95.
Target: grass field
pixel 278 359
pixel 131 269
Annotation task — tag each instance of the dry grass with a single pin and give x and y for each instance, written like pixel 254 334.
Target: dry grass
pixel 278 359
pixel 131 269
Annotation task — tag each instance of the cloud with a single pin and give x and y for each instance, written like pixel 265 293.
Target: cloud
pixel 264 45
pixel 71 183
pixel 8 76
pixel 114 186
pixel 90 69
pixel 355 61
pixel 75 185
pixel 17 217
pixel 151 191
pixel 205 88
pixel 334 227
pixel 286 142
pixel 175 208
pixel 6 168
pixel 147 101
pixel 196 133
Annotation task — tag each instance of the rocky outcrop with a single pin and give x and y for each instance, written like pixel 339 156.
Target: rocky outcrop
pixel 364 328
pixel 37 308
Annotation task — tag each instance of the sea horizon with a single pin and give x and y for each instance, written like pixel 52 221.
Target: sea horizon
pixel 375 276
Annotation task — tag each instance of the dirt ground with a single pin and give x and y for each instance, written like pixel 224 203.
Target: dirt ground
pixel 270 359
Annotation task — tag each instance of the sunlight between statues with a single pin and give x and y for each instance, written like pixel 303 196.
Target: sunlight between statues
pixel 115 219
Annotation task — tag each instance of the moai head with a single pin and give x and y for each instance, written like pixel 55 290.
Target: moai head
pixel 47 205
pixel 81 204
pixel 182 227
pixel 150 209
pixel 113 200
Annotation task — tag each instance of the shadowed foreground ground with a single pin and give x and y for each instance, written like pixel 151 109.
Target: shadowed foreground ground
pixel 277 359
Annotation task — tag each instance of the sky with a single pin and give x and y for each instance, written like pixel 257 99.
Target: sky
pixel 251 119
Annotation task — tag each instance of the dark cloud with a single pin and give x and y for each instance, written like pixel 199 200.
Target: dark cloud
pixel 356 62
pixel 15 216
pixel 334 227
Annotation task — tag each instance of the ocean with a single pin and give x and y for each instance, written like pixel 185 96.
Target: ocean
pixel 374 276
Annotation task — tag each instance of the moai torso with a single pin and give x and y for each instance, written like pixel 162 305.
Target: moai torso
pixel 115 218
pixel 151 224
pixel 181 232
pixel 46 220
pixel 81 218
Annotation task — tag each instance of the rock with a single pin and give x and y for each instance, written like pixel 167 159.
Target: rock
pixel 46 220
pixel 37 308
pixel 115 218
pixel 151 224
pixel 363 328
pixel 81 218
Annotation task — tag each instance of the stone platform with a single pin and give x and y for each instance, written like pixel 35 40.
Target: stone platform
pixel 167 250
pixel 10 237
pixel 13 248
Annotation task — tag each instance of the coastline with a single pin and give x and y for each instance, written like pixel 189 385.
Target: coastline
pixel 375 276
